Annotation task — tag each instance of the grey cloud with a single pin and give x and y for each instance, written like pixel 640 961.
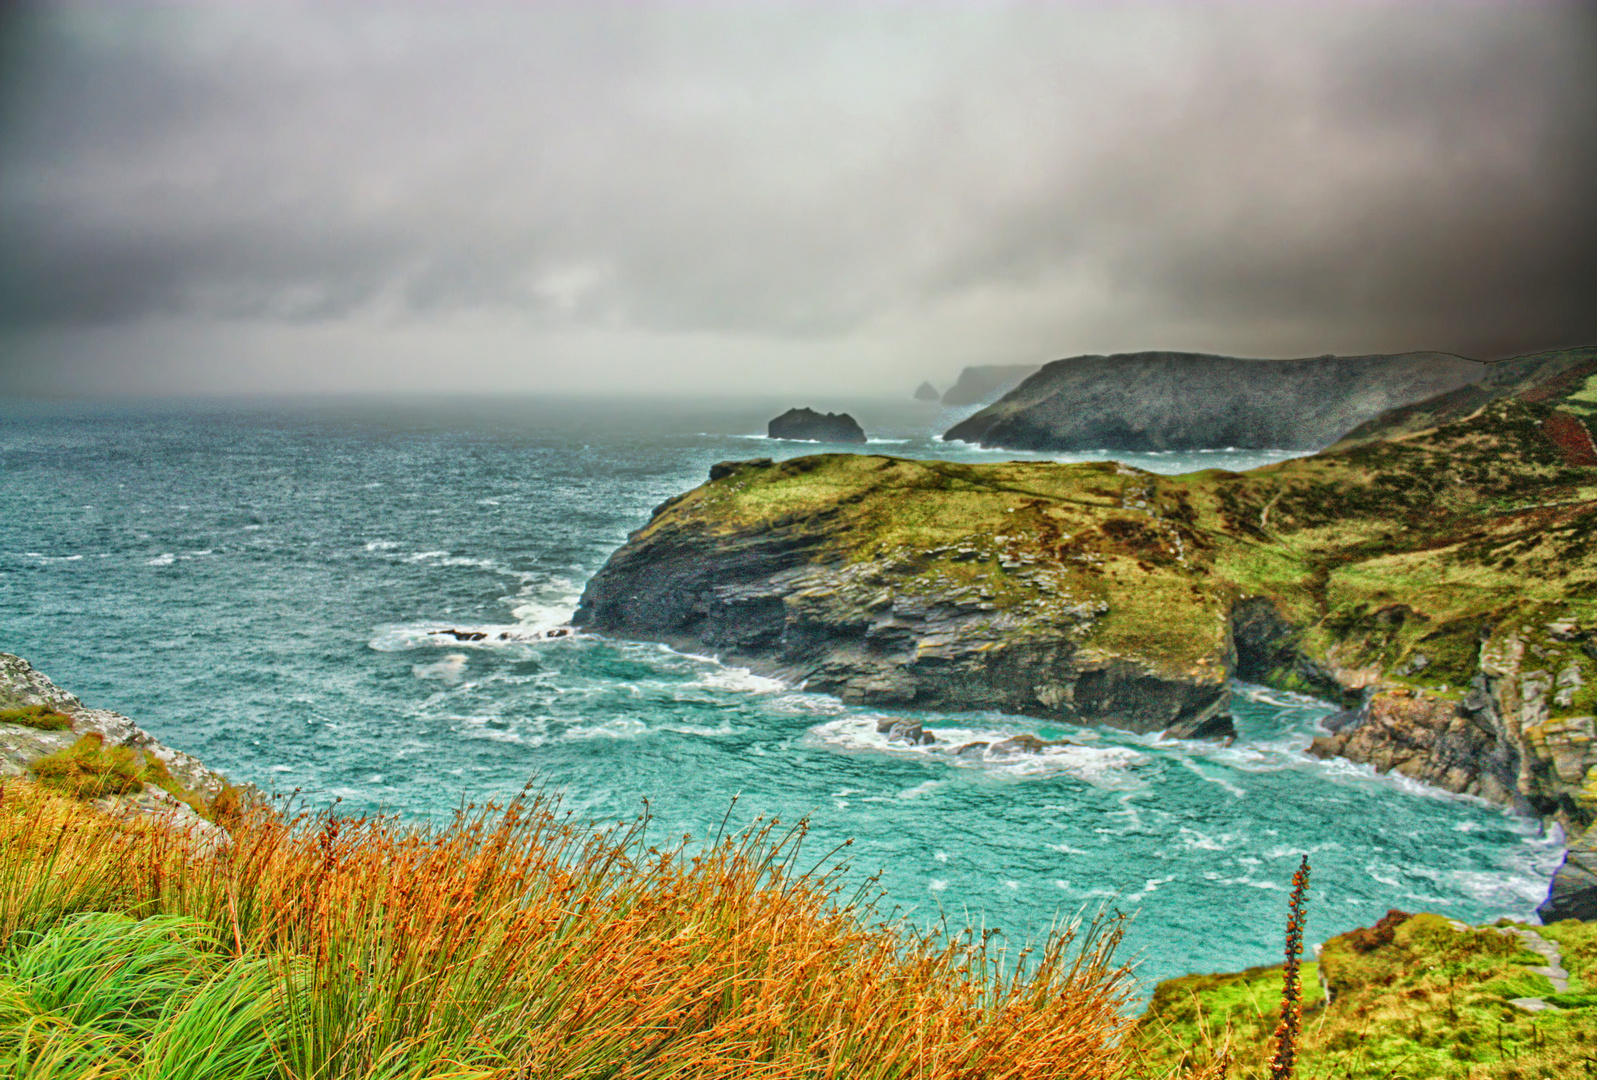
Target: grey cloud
pixel 1361 177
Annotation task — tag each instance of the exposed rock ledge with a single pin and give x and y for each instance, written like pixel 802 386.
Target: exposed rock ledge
pixel 21 746
pixel 1442 584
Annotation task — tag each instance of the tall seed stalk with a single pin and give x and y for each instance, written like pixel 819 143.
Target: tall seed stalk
pixel 1286 1032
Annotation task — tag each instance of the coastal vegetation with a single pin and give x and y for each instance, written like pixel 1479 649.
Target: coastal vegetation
pixel 515 941
pixel 1416 996
pixel 519 941
pixel 89 769
pixel 40 717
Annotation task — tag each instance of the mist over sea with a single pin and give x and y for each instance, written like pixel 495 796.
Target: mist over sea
pixel 261 585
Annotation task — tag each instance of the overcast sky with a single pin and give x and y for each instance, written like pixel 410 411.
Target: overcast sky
pixel 749 197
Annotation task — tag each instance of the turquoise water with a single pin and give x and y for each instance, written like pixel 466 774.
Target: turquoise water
pixel 257 585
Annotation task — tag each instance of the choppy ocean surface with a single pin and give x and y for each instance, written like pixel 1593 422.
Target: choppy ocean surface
pixel 258 585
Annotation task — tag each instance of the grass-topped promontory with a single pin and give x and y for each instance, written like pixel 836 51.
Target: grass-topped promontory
pixel 513 942
pixel 1394 561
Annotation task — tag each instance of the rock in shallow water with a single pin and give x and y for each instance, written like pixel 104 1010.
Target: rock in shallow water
pixel 1573 894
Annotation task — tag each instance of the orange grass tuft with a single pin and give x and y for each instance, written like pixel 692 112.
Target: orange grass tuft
pixel 516 941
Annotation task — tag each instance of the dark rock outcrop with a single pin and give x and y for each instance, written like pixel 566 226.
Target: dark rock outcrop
pixel 811 426
pixel 1573 893
pixel 927 392
pixel 984 383
pixel 1188 401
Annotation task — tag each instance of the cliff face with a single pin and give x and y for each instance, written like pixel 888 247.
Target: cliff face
pixel 935 585
pixel 1187 401
pixel 1441 584
pixel 982 383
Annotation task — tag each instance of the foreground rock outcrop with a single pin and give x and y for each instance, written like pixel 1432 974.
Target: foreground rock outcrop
pixel 1440 584
pixel 23 745
pixel 811 426
pixel 1156 401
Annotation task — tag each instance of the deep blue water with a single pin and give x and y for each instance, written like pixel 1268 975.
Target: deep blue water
pixel 256 585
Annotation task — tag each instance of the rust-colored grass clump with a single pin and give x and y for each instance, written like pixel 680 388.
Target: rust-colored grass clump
pixel 516 941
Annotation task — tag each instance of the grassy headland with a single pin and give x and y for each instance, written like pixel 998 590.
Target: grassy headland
pixel 1451 566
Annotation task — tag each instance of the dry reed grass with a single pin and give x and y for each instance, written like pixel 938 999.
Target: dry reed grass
pixel 516 941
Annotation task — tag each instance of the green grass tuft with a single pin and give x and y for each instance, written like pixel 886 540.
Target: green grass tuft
pixel 88 769
pixel 42 717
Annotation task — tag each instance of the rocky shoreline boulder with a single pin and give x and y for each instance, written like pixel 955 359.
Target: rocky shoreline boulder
pixel 811 426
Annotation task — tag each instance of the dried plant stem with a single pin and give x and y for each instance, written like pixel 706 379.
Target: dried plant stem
pixel 1286 1032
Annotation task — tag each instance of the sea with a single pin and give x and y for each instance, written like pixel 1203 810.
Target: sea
pixel 263 584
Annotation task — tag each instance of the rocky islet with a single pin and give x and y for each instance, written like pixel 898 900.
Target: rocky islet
pixel 810 426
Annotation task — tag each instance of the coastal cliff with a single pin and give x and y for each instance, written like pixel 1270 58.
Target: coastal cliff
pixel 937 585
pixel 1156 401
pixel 1440 584
pixel 982 383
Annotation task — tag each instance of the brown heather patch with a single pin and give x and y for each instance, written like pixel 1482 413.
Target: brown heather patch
pixel 1560 384
pixel 1570 435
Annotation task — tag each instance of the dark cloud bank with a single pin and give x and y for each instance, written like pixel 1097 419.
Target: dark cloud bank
pixel 287 197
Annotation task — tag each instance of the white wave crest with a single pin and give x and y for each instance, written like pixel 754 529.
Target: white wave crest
pixel 1101 766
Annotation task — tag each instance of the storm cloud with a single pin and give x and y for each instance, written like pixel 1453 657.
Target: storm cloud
pixel 322 196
